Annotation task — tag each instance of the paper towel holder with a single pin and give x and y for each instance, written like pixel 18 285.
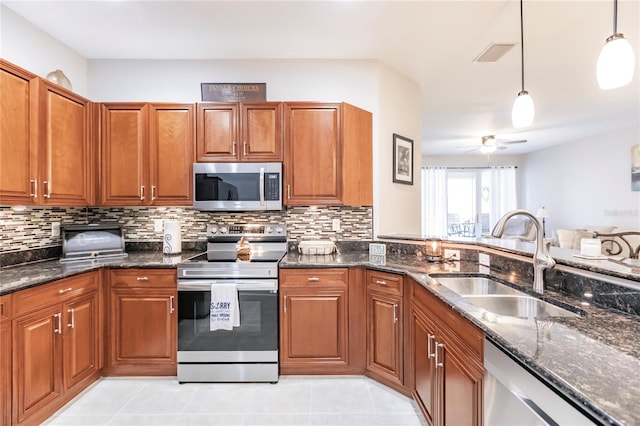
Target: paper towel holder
pixel 171 239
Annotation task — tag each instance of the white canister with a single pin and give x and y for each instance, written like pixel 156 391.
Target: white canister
pixel 172 240
pixel 590 247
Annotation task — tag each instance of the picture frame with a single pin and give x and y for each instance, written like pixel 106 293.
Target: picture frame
pixel 402 160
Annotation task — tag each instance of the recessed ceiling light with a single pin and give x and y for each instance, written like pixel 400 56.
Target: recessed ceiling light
pixel 493 52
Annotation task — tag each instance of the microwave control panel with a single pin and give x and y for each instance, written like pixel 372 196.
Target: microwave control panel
pixel 272 186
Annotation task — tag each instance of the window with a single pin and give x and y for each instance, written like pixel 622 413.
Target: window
pixel 466 202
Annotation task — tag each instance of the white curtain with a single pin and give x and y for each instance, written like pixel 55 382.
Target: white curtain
pixel 434 201
pixel 503 189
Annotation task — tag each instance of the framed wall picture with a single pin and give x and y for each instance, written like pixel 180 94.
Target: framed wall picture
pixel 635 167
pixel 402 160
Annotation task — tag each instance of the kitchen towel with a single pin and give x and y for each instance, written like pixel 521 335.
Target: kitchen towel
pixel 224 313
pixel 172 240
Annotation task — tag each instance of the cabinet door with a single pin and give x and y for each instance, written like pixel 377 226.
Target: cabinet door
pixel 312 160
pixel 124 140
pixel 171 147
pixel 261 127
pixel 384 337
pixel 81 339
pixel 425 380
pixel 37 373
pixel 314 326
pixel 5 373
pixel 217 132
pixel 67 147
pixel 462 386
pixel 143 326
pixel 18 143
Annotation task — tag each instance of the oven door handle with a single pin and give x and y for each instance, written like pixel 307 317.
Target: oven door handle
pixel 241 285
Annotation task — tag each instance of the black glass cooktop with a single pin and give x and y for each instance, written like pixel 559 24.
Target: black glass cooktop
pixel 230 256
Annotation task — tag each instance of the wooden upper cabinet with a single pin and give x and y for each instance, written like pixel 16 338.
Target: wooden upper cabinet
pixel 18 141
pixel 67 147
pixel 147 154
pixel 46 143
pixel 124 141
pixel 171 153
pixel 232 132
pixel 329 154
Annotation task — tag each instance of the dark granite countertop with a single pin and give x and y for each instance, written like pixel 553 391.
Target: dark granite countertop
pixel 593 359
pixel 19 277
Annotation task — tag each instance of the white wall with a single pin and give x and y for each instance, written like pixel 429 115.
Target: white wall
pixel 35 50
pixel 586 182
pixel 398 209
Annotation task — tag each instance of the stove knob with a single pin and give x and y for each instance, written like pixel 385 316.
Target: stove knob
pixel 223 229
pixel 213 229
pixel 279 230
pixel 268 230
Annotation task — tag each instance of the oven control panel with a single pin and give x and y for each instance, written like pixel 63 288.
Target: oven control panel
pixel 215 231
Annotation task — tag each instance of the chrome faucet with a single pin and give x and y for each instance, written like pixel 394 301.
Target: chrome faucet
pixel 541 258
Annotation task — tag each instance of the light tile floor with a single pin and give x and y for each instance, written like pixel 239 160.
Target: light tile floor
pixel 294 400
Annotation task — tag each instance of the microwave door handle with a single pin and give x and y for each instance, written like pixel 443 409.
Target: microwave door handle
pixel 262 186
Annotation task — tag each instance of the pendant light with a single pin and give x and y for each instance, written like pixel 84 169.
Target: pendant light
pixel 523 109
pixel 616 62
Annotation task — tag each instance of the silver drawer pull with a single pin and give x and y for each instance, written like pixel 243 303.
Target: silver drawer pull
pixel 429 339
pixel 142 278
pixel 73 318
pixel 439 363
pixel 64 290
pixel 34 185
pixel 313 279
pixel 58 326
pixel 171 308
pixel 395 316
pixel 382 282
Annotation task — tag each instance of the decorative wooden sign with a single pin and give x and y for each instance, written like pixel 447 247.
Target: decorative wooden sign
pixel 234 92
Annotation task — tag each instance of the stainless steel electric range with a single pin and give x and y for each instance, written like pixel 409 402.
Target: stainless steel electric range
pixel 249 352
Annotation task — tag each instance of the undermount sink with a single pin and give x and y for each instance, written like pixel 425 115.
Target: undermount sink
pixel 519 306
pixel 500 299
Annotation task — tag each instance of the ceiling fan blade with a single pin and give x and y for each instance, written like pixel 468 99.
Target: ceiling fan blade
pixel 512 142
pixel 501 147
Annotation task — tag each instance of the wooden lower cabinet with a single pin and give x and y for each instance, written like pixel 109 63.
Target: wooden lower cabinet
pixel 447 359
pixel 313 321
pixel 142 322
pixel 385 328
pixel 55 347
pixel 5 360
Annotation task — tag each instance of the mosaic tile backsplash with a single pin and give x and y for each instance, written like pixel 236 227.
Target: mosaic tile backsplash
pixel 31 229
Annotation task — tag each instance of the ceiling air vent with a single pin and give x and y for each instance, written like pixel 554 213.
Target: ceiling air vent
pixel 493 52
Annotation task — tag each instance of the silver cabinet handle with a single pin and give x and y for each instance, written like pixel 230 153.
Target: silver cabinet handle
pixel 58 318
pixel 233 148
pixel 285 305
pixel 142 278
pixel 395 316
pixel 34 185
pixel 153 192
pixel 430 337
pixel 61 291
pixel 438 363
pixel 73 318
pixel 171 308
pixel 381 282
pixel 244 148
pixel 141 192
pixel 313 279
pixel 1 309
pixel 288 192
pixel 47 189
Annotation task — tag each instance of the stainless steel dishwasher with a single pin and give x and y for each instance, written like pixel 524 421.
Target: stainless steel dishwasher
pixel 512 396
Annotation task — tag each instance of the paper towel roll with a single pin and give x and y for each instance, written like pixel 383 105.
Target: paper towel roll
pixel 172 241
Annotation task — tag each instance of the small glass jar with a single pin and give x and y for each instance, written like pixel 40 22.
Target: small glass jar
pixel 434 250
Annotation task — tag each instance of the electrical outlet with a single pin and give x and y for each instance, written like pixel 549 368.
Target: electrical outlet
pixel 484 259
pixel 157 225
pixel 55 229
pixel 335 224
pixel 450 254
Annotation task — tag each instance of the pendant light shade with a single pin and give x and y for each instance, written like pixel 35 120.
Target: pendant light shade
pixel 523 110
pixel 616 63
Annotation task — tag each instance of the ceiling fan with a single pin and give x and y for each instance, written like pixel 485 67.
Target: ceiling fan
pixel 491 144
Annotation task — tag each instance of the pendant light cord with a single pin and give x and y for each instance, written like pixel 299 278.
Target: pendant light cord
pixel 522 45
pixel 615 16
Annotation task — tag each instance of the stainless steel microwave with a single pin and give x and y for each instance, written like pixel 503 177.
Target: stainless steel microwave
pixel 237 186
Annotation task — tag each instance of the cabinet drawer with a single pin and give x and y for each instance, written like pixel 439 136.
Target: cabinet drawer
pixel 165 278
pixel 314 277
pixel 56 292
pixel 5 307
pixel 382 281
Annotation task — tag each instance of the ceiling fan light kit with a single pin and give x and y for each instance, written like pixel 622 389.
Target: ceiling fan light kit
pixel 523 110
pixel 616 63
